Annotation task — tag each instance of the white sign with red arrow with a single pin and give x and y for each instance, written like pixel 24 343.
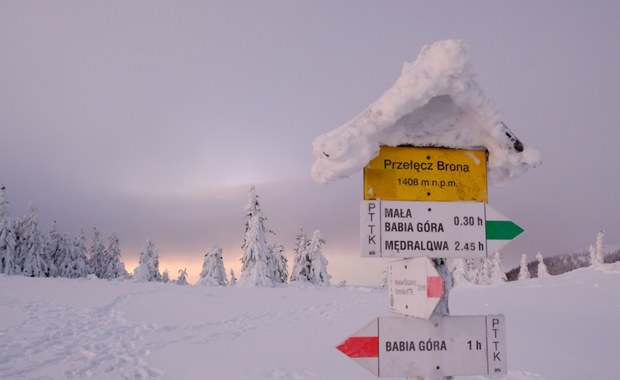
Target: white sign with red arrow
pixel 415 287
pixel 440 346
pixel 406 229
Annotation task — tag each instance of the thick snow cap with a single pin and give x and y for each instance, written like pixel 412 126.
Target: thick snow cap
pixel 434 102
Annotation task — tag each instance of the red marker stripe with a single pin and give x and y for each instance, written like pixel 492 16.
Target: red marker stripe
pixel 361 347
pixel 434 287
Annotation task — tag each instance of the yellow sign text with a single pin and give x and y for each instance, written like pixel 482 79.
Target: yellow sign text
pixel 427 174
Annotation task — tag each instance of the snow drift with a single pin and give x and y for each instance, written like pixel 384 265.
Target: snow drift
pixel 434 102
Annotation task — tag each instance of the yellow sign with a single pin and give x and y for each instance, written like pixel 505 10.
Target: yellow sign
pixel 426 174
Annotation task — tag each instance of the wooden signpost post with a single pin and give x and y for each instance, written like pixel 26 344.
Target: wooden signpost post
pixel 423 203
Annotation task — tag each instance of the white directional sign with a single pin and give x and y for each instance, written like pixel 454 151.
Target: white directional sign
pixel 440 346
pixel 409 229
pixel 415 287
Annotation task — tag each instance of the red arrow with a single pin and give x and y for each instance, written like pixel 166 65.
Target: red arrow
pixel 360 347
pixel 379 346
pixel 434 287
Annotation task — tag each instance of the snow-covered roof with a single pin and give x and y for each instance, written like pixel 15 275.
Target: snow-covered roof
pixel 434 102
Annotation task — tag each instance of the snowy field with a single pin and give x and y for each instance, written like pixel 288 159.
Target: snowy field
pixel 563 327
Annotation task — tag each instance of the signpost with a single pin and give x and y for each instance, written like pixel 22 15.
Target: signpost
pixel 439 346
pixel 420 203
pixel 408 229
pixel 426 174
pixel 415 287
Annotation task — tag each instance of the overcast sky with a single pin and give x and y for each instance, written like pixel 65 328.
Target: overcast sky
pixel 151 119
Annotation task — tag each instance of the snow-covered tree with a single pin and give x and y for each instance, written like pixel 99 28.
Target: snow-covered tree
pixel 75 265
pixel 542 268
pixel 60 251
pixel 458 271
pixel 318 269
pixel 301 262
pixel 7 247
pixel 600 255
pixel 484 272
pixel 592 252
pixel 233 278
pixel 114 267
pixel 30 245
pixel 7 237
pixel 213 272
pixel 471 273
pixel 65 253
pixel 524 272
pixel 148 267
pixel 4 204
pixel 182 280
pixel 165 277
pixel 57 249
pixel 497 273
pixel 281 274
pixel 97 258
pixel 258 265
pixel 596 252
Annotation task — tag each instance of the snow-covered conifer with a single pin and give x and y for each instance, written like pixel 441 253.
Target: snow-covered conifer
pixel 57 250
pixel 258 265
pixel 592 252
pixel 318 269
pixel 598 251
pixel 4 204
pixel 484 272
pixel 114 267
pixel 281 274
pixel 60 250
pixel 165 277
pixel 97 257
pixel 30 245
pixel 542 268
pixel 66 254
pixel 7 247
pixel 471 273
pixel 7 237
pixel 524 272
pixel 80 255
pixel 458 271
pixel 74 263
pixel 213 272
pixel 233 278
pixel 148 267
pixel 301 262
pixel 497 273
pixel 182 280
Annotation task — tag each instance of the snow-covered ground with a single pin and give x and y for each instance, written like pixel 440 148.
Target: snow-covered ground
pixel 563 327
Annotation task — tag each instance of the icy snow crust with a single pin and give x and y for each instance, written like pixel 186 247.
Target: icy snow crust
pixel 434 102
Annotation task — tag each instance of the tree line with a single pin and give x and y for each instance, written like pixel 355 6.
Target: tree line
pixel 556 265
pixel 26 250
pixel 485 271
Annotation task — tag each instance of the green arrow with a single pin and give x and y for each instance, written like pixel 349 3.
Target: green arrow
pixel 502 230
